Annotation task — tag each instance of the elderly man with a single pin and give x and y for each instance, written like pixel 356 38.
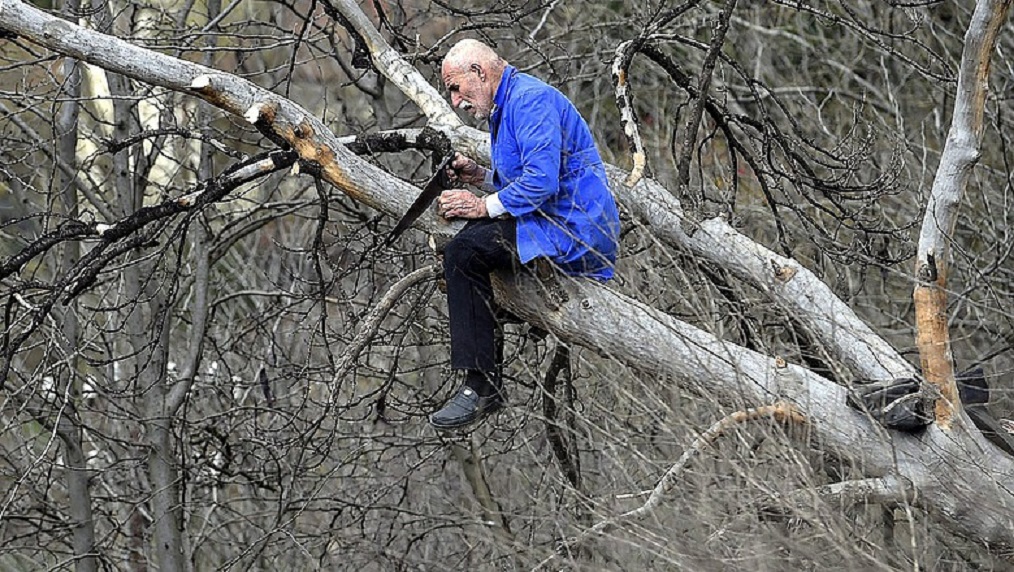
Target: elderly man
pixel 548 199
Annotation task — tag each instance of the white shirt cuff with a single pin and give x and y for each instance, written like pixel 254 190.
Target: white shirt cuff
pixel 494 207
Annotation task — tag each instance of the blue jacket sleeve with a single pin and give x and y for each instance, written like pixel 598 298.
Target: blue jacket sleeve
pixel 535 125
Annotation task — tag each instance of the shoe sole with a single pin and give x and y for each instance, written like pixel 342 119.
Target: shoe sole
pixel 476 421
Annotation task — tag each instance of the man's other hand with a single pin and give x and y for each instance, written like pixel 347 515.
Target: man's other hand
pixel 466 170
pixel 461 204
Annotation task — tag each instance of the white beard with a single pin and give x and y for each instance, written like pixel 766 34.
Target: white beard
pixel 472 110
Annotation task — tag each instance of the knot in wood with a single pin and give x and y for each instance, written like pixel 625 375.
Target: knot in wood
pixel 303 130
pixel 927 271
pixel 782 273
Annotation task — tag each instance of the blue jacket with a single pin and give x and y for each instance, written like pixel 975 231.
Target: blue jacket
pixel 549 176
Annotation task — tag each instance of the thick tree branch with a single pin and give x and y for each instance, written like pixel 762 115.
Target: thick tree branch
pixel 633 333
pixel 799 291
pixel 282 120
pixel 889 489
pixel 961 153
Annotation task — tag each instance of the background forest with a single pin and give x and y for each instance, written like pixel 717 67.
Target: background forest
pixel 210 361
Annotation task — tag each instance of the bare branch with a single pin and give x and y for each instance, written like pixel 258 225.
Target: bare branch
pixel 780 412
pixel 889 489
pixel 625 53
pixel 369 326
pixel 960 154
pixel 390 63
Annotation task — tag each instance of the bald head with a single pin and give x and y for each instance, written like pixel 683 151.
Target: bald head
pixel 471 72
pixel 467 52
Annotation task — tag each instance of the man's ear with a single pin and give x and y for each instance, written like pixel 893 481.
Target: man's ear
pixel 478 70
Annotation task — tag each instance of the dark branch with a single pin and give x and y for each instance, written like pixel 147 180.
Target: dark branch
pixel 204 194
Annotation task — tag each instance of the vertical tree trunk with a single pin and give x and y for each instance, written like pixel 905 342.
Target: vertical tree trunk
pixel 961 153
pixel 79 492
pixel 146 329
pixel 199 303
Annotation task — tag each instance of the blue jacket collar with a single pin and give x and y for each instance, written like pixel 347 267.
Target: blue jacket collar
pixel 506 79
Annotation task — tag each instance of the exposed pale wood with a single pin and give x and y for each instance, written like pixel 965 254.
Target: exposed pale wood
pixel 281 117
pixel 961 153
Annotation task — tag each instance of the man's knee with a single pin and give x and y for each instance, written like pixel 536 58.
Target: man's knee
pixel 478 248
pixel 459 253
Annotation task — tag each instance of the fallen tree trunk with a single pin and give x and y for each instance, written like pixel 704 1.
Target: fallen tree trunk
pixel 970 493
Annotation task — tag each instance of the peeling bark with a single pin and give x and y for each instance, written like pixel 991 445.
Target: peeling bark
pixel 960 154
pixel 625 53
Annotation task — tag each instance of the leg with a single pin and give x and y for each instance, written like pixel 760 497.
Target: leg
pixel 479 249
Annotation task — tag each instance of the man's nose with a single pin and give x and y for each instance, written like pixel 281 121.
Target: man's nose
pixel 455 100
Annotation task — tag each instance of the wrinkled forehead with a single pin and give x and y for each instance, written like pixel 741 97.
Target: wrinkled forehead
pixel 450 72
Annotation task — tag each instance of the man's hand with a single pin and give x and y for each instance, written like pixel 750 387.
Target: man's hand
pixel 466 170
pixel 461 204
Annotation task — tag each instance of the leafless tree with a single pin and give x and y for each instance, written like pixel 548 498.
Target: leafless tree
pixel 210 360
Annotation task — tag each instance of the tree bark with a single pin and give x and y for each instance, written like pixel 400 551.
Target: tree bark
pixel 627 330
pixel 78 487
pixel 961 153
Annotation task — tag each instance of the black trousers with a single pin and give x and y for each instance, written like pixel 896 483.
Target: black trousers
pixel 481 247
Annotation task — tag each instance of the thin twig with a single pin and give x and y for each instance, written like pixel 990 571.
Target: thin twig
pixel 372 322
pixel 542 22
pixel 781 412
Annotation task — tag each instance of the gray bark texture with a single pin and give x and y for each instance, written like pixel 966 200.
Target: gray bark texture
pixel 77 469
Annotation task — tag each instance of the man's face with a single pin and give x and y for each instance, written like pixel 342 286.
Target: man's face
pixel 468 90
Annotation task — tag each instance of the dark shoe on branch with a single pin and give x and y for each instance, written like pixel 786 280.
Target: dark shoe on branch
pixel 466 408
pixel 895 403
pixel 972 386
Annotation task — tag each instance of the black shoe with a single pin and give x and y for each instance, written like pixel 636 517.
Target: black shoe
pixel 465 408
